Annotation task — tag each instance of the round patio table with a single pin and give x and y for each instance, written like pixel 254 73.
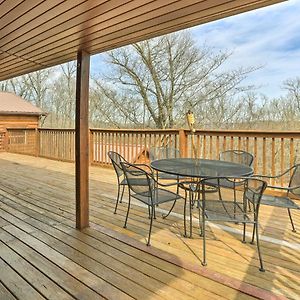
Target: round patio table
pixel 199 168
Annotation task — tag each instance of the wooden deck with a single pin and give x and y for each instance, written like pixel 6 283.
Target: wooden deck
pixel 43 256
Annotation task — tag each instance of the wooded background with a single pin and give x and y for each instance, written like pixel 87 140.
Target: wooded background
pixel 153 83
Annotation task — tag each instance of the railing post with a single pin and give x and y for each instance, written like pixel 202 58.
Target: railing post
pixel 182 143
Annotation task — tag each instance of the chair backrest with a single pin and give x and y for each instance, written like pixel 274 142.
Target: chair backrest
pixel 163 153
pixel 253 188
pixel 237 156
pixel 253 191
pixel 116 160
pixel 138 180
pixel 295 180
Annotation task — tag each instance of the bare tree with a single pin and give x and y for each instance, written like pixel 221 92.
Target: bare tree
pixel 155 81
pixel 62 99
pixel 32 87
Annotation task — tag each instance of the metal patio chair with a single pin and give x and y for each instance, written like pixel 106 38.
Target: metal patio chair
pixel 293 188
pixel 116 160
pixel 235 156
pixel 150 194
pixel 219 210
pixel 165 153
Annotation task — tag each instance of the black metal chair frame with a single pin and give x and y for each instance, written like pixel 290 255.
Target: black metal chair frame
pixel 150 198
pixel 120 175
pixel 249 195
pixel 164 153
pixel 236 156
pixel 281 201
pixel 122 182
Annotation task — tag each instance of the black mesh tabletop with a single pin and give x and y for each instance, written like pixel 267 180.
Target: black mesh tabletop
pixel 202 168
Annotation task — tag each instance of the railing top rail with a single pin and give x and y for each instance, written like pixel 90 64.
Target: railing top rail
pixel 207 132
pixel 20 128
pixel 170 131
pixel 248 133
pixel 56 129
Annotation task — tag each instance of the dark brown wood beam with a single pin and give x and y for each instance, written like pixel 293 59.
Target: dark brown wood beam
pixel 82 139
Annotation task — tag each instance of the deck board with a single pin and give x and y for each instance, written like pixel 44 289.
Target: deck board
pixel 37 218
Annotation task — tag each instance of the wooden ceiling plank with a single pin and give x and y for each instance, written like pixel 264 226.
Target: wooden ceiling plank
pixel 18 15
pixel 28 68
pixel 133 26
pixel 98 41
pixel 49 25
pixel 8 5
pixel 115 23
pixel 147 32
pixel 29 49
pixel 160 29
pixel 102 21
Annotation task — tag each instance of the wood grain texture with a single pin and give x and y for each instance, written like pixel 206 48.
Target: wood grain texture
pixel 38 225
pixel 39 34
pixel 82 140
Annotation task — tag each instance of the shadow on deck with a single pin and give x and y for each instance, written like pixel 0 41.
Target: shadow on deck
pixel 43 256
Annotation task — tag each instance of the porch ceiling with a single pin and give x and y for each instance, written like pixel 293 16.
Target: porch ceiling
pixel 36 34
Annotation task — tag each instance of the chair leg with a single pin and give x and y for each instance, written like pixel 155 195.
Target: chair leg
pixel 191 198
pixel 200 222
pixel 258 249
pixel 129 198
pixel 184 213
pixel 150 228
pixel 249 206
pixel 165 216
pixel 204 241
pixel 291 219
pixel 117 202
pixel 244 233
pixel 253 233
pixel 121 198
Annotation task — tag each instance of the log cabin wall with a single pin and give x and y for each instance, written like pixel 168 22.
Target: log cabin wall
pixel 18 121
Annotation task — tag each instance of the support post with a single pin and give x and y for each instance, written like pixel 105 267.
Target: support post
pixel 82 140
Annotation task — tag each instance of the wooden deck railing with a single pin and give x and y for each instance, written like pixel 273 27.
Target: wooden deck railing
pixel 274 151
pixel 132 144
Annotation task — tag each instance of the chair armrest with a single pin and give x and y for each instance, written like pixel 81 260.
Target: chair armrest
pixel 267 176
pixel 275 176
pixel 150 171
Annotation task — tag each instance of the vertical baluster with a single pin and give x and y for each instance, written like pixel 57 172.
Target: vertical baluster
pixel 204 146
pixel 218 147
pixel 210 146
pixel 224 143
pixel 247 144
pixel 132 147
pixel 282 167
pixel 273 159
pixel 198 145
pixel 255 156
pixel 232 143
pixel 239 142
pixel 264 156
pixel 292 153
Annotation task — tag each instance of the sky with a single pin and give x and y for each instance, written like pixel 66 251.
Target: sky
pixel 267 37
